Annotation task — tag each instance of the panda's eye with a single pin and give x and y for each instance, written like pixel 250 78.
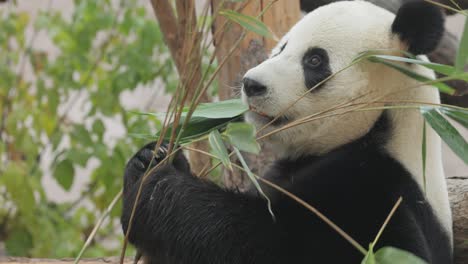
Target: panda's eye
pixel 314 61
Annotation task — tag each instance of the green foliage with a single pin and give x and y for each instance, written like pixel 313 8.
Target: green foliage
pixel 253 179
pixel 390 62
pixel 64 173
pixel 104 49
pixel 242 136
pixel 219 149
pixel 248 22
pixel 391 255
pixel 447 132
pixel 462 54
pixel 206 118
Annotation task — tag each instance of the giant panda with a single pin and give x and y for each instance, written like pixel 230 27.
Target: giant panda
pixel 351 166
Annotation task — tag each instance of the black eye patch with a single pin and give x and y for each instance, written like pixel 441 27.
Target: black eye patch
pixel 316 66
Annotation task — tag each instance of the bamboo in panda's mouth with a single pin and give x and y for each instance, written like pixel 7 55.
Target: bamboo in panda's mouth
pixel 279 120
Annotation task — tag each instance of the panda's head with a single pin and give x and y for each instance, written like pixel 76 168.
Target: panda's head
pixel 321 44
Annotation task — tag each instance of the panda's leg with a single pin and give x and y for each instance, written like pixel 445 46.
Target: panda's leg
pixel 189 220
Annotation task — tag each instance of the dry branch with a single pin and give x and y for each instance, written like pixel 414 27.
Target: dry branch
pixel 181 36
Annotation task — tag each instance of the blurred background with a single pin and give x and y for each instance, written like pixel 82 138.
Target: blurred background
pixel 73 74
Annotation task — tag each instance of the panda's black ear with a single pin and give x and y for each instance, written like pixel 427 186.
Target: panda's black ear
pixel 420 25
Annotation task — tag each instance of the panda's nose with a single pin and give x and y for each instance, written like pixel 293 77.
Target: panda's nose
pixel 253 88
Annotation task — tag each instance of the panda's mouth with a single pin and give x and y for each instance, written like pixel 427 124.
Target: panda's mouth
pixel 262 117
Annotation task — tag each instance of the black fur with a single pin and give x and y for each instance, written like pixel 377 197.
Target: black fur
pixel 310 5
pixel 420 25
pixel 181 219
pixel 315 74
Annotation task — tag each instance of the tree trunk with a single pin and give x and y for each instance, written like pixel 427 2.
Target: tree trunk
pixel 458 192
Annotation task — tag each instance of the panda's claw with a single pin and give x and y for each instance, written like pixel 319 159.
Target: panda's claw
pixel 161 153
pixel 147 157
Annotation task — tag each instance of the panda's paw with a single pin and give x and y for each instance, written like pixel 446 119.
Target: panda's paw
pixel 147 158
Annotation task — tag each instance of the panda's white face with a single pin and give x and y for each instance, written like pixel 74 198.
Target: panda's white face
pixel 322 43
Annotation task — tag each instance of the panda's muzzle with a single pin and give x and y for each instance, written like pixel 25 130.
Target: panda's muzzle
pixel 253 88
pixel 264 118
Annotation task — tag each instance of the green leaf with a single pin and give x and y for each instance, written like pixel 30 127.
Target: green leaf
pixel 440 68
pixel 17 182
pixel 223 109
pixel 391 255
pixel 370 256
pixel 78 156
pixel 82 135
pixel 219 149
pixel 462 54
pixel 242 136
pixel 198 127
pixel 19 242
pixel 459 115
pixel 64 174
pixel 99 128
pixel 205 118
pixel 441 86
pixel 248 22
pixel 254 180
pixel 447 132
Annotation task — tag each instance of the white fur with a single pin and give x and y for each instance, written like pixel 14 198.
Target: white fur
pixel 344 30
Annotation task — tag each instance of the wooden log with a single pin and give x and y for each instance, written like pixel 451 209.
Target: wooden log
pixel 458 192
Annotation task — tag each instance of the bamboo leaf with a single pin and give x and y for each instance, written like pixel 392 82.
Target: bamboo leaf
pixel 462 54
pixel 223 109
pixel 440 85
pixel 206 118
pixel 447 132
pixel 219 149
pixel 391 255
pixel 253 178
pixel 370 256
pixel 242 136
pixel 248 22
pixel 458 115
pixel 440 68
pixel 198 127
